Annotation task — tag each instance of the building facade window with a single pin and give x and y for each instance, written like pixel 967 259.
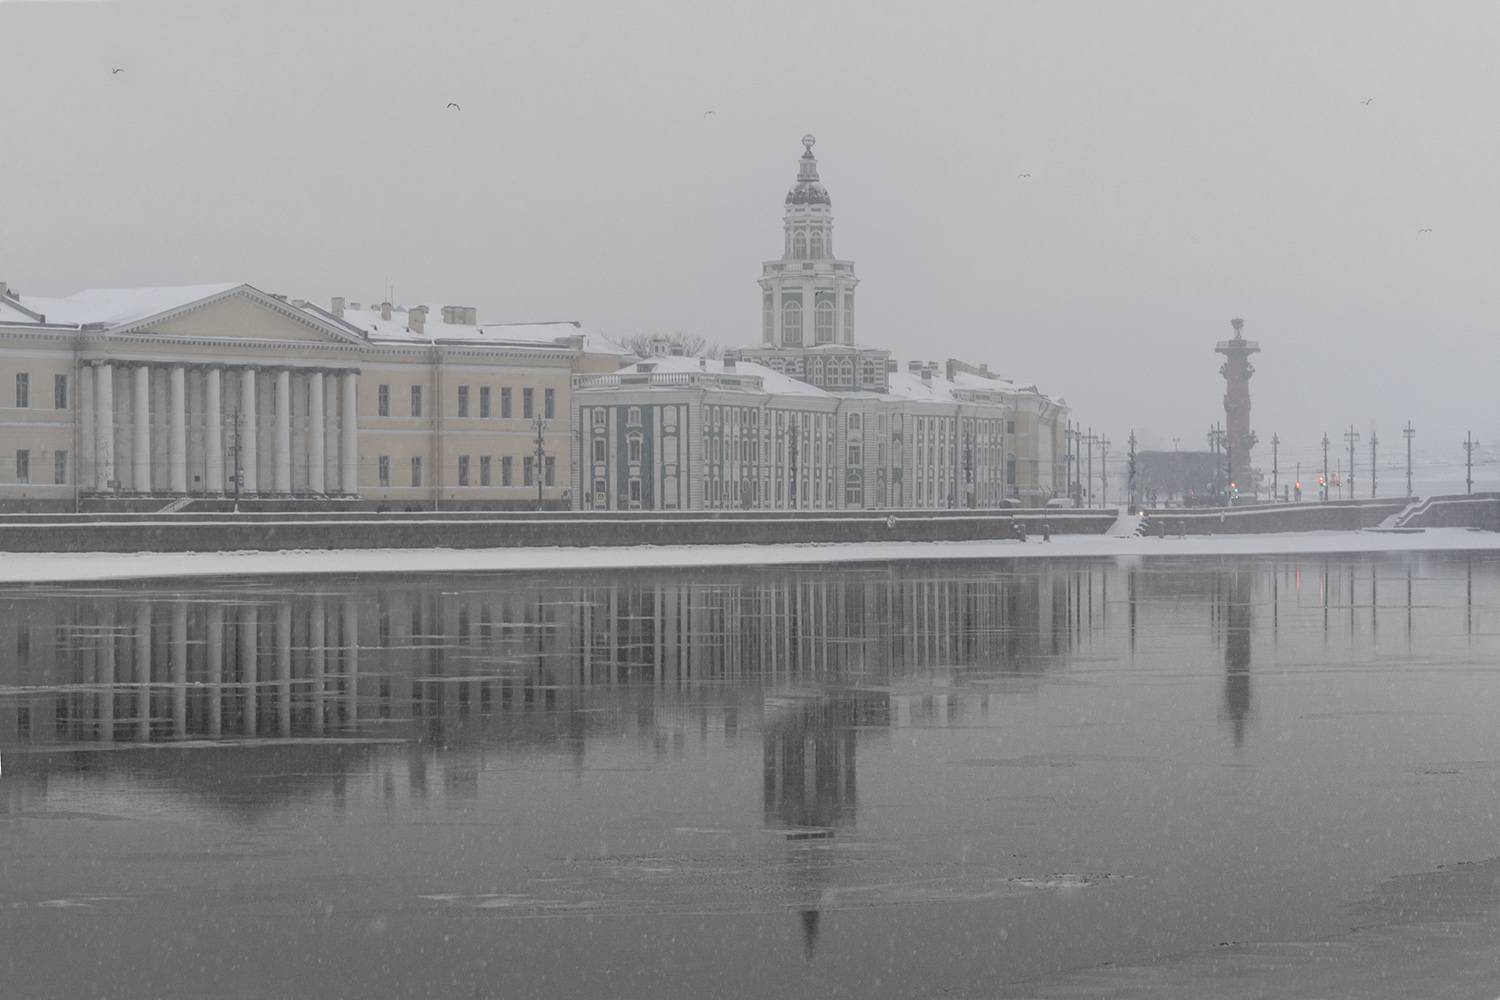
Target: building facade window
pixel 635 491
pixel 383 400
pixel 599 417
pixel 463 401
pixel 463 470
pixel 507 471
pixel 815 244
pixel 23 466
pixel 505 402
pixel 633 417
pixel 383 464
pixel 599 450
pixel 549 403
pixel 791 324
pixel 484 402
pixel 60 392
pixel 855 454
pixel 416 470
pixel 23 390
pixel 528 403
pixel 484 470
pixel 799 245
pixel 528 471
pixel 60 468
pixel 416 400
pixel 549 471
pixel 634 446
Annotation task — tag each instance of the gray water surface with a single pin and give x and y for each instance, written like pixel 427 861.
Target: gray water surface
pixel 903 780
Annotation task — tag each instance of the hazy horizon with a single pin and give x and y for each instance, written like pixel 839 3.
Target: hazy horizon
pixel 1188 164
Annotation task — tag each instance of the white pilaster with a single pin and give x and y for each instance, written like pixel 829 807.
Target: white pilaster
pixel 283 404
pixel 349 436
pixel 315 432
pixel 177 428
pixel 140 457
pixel 248 456
pixel 83 403
pixel 104 426
pixel 213 430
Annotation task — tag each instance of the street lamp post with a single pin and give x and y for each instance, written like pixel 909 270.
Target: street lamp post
pixel 1324 490
pixel 1408 432
pixel 1469 445
pixel 1351 435
pixel 1103 471
pixel 541 453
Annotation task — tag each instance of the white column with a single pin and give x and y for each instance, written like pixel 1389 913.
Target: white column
pixel 140 457
pixel 104 429
pixel 248 455
pixel 349 436
pixel 283 404
pixel 83 396
pixel 213 430
pixel 315 456
pixel 177 428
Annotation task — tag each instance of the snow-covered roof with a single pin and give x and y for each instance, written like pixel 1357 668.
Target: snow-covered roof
pixel 436 328
pixel 909 385
pixel 109 307
pixel 770 381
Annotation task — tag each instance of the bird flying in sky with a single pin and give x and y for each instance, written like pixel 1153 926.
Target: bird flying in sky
pixel 1023 175
pixel 454 106
pixel 1424 230
pixel 113 71
pixel 1367 102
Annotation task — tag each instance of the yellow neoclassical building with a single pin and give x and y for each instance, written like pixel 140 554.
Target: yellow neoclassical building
pixel 147 397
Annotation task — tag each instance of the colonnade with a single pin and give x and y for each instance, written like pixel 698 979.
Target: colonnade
pixel 205 436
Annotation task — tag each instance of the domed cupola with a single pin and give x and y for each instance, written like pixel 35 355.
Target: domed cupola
pixel 808 295
pixel 807 190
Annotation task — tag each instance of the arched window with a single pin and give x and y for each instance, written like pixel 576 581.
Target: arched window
pixel 791 324
pixel 848 320
pixel 768 333
pixel 799 245
pixel 825 322
pixel 815 245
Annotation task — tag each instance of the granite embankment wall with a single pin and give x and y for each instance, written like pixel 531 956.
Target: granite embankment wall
pixel 1333 515
pixel 211 532
pixel 1464 510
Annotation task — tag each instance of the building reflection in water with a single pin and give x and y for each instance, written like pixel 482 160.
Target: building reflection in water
pixel 435 664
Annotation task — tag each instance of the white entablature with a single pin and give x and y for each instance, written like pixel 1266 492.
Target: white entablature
pixel 808 295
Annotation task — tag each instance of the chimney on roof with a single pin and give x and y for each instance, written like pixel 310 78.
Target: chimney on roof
pixel 926 374
pixel 915 367
pixel 703 364
pixel 417 318
pixel 892 366
pixel 953 368
pixel 385 310
pixel 471 315
pixel 338 306
pixel 984 369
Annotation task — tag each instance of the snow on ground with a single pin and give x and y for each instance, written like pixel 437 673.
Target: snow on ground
pixel 26 568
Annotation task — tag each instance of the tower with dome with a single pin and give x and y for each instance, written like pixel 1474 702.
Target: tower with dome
pixel 807 298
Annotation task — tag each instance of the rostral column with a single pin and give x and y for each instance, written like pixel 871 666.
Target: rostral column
pixel 1238 437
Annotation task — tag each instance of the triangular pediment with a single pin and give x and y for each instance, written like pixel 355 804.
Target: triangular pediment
pixel 243 314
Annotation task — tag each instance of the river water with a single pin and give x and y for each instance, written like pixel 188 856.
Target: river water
pixel 916 779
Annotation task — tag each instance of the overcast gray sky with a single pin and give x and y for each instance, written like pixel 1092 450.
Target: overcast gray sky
pixel 1189 162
